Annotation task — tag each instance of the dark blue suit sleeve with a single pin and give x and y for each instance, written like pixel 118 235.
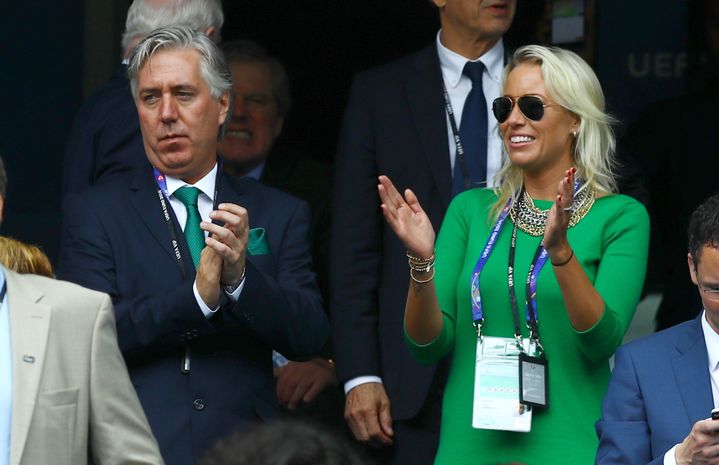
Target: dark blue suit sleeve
pixel 623 430
pixel 356 247
pixel 284 310
pixel 155 318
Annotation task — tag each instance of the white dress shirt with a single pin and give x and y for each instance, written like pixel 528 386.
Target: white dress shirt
pixel 5 377
pixel 711 340
pixel 205 201
pixel 458 86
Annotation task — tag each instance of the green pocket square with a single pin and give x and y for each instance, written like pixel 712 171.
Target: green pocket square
pixel 258 244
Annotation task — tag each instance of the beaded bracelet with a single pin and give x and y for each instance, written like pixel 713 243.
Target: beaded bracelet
pixel 420 264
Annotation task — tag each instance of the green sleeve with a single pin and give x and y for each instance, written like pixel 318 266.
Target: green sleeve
pixel 450 253
pixel 619 279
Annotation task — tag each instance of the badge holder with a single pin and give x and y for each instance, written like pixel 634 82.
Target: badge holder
pixel 497 386
pixel 533 381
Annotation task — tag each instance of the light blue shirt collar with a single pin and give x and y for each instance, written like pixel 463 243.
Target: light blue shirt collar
pixel 452 63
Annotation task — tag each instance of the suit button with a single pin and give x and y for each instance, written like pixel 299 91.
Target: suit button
pixel 199 404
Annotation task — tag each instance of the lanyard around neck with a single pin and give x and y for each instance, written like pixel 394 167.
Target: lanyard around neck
pixel 459 158
pixel 539 260
pixel 164 197
pixel 535 267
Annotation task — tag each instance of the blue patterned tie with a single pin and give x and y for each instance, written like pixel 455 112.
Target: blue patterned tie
pixel 473 132
pixel 193 234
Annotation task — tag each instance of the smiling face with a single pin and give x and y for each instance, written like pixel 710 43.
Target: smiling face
pixel 254 122
pixel 179 117
pixel 537 146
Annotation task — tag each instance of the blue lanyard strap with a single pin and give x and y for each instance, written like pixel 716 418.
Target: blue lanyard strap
pixel 477 309
pixel 539 260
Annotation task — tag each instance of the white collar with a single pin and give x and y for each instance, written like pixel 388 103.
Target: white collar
pixel 206 184
pixel 711 339
pixel 452 63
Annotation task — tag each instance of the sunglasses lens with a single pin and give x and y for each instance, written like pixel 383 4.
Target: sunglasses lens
pixel 502 107
pixel 532 107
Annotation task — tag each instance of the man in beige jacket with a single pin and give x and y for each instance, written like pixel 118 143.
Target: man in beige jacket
pixel 65 395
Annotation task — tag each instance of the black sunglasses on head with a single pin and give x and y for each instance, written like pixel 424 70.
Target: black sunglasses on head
pixel 531 106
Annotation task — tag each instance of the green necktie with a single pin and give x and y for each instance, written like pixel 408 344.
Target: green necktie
pixel 193 234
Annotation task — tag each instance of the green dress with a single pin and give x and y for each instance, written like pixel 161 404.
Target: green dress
pixel 611 243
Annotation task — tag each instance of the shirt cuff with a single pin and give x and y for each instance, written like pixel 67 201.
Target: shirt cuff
pixel 207 311
pixel 669 458
pixel 235 295
pixel 278 360
pixel 354 382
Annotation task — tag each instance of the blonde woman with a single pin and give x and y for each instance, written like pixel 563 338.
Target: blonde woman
pixel 550 263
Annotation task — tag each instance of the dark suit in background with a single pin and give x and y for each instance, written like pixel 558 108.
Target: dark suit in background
pixel 115 240
pixel 105 138
pixel 309 180
pixel 395 125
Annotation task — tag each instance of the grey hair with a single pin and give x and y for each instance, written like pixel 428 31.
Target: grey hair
pixel 570 82
pixel 3 181
pixel 144 16
pixel 213 66
pixel 247 51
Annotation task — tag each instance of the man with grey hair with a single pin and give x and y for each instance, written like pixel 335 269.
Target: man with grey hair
pixel 208 272
pixel 105 137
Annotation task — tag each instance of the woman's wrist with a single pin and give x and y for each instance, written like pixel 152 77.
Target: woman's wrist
pixel 560 255
pixel 421 269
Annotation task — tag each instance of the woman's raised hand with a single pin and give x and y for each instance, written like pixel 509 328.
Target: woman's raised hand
pixel 555 231
pixel 407 219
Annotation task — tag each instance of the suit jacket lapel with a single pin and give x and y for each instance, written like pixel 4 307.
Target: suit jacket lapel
pixel 29 326
pixel 424 95
pixel 690 364
pixel 144 199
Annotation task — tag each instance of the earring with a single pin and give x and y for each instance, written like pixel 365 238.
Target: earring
pixel 574 133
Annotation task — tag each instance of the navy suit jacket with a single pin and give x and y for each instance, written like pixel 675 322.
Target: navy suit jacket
pixel 115 240
pixel 105 139
pixel 394 125
pixel 659 388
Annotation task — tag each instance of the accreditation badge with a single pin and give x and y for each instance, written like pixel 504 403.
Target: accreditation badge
pixel 497 403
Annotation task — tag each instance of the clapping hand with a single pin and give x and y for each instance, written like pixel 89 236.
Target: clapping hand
pixel 407 219
pixel 555 231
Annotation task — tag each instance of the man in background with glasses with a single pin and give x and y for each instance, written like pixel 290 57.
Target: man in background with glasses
pixel 658 407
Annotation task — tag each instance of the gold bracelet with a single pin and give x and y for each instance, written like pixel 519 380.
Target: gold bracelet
pixel 419 281
pixel 420 264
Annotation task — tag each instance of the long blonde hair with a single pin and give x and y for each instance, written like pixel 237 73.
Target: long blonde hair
pixel 570 82
pixel 24 258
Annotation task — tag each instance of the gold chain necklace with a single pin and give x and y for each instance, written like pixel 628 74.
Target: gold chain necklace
pixel 530 219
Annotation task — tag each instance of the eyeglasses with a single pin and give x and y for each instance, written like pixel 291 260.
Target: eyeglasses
pixel 711 294
pixel 531 106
